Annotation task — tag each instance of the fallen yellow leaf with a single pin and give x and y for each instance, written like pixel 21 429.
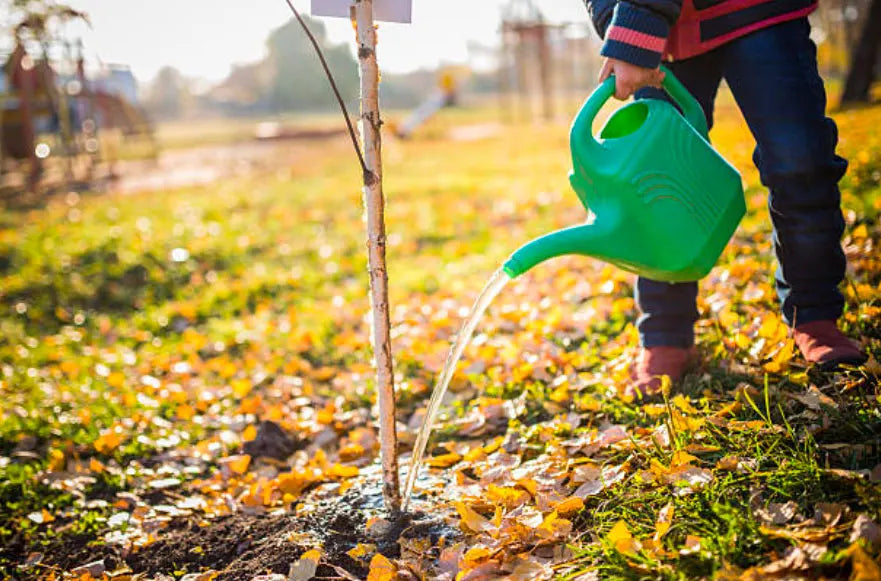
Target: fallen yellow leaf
pixel 444 460
pixel 569 506
pixel 381 569
pixel 471 519
pixel 185 412
pixel 864 567
pixel 249 433
pixel 508 496
pixel 361 550
pixel 56 460
pixel 665 520
pixel 681 458
pixel 237 464
pixel 621 539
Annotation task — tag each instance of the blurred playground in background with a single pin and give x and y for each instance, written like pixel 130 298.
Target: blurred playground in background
pixel 52 112
pixel 71 121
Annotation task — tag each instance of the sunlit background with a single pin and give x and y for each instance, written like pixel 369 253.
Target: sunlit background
pixel 203 38
pixel 151 75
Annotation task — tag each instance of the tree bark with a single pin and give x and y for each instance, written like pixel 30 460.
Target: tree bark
pixel 374 203
pixel 865 58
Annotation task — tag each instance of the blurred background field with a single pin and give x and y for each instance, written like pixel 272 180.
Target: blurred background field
pixel 89 84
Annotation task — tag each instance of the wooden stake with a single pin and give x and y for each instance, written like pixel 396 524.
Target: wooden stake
pixel 374 203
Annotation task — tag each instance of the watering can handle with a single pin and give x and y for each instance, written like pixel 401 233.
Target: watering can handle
pixel 582 127
pixel 691 109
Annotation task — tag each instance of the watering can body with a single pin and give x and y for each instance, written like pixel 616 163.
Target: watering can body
pixel 664 202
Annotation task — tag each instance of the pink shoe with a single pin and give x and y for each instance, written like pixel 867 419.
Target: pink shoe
pixel 824 345
pixel 655 362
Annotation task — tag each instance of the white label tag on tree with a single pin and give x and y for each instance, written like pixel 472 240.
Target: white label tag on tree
pixel 383 10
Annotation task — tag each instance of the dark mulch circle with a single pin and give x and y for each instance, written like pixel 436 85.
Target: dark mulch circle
pixel 242 546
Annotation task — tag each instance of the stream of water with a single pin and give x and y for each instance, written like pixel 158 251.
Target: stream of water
pixel 493 287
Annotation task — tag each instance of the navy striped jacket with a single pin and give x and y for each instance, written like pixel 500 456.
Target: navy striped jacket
pixel 641 32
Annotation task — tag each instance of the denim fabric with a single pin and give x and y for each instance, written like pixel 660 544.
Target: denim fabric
pixel 773 76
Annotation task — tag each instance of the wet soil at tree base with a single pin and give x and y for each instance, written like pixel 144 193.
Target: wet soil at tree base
pixel 240 547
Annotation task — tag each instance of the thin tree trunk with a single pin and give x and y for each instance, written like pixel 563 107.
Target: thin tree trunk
pixel 375 206
pixel 864 59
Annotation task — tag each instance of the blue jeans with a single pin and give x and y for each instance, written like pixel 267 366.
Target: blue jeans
pixel 773 76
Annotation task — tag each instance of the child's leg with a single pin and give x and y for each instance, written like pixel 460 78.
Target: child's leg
pixel 669 310
pixel 773 76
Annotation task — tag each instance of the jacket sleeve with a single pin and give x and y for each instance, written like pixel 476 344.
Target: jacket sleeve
pixel 634 31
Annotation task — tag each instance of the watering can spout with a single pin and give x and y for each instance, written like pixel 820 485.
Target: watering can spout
pixel 586 239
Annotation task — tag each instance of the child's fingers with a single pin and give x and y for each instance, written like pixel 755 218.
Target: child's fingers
pixel 605 71
pixel 658 78
pixel 623 89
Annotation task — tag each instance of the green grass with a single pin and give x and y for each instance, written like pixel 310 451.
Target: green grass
pixel 117 347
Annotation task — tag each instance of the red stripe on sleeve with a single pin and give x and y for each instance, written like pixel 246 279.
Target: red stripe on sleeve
pixel 636 38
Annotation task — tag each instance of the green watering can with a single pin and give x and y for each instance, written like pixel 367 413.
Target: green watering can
pixel 665 202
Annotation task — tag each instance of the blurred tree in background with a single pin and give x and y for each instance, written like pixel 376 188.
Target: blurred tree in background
pixel 864 57
pixel 289 78
pixel 40 18
pixel 298 80
pixel 848 34
pixel 169 95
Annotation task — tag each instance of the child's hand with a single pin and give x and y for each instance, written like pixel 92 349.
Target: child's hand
pixel 629 78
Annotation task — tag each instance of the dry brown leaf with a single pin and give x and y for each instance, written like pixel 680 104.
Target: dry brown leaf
pixel 305 567
pixel 378 527
pixel 547 499
pixel 692 545
pixel 489 571
pixel 794 559
pixel 814 399
pixel 777 513
pixel 849 474
pixel 34 558
pixel 553 527
pixel 687 479
pixel 589 488
pixel 801 533
pixel 866 529
pixel 829 513
pixel 448 562
pixel 529 517
pixel 584 472
pixel 204 576
pixel 527 568
pixel 94 569
pixel 736 464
